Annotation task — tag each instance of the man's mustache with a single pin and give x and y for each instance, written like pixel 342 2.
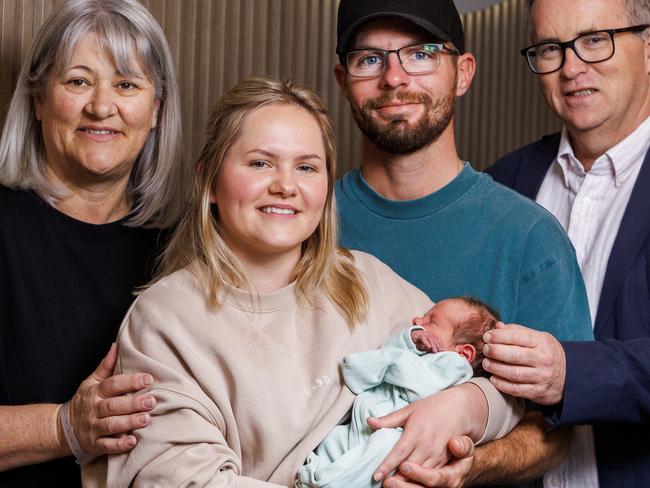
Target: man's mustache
pixel 402 97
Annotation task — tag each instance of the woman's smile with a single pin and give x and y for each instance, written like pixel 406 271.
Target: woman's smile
pixel 272 187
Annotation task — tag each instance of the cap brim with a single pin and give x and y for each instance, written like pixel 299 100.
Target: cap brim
pixel 433 29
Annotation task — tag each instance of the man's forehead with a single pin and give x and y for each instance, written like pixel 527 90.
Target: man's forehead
pixel 562 20
pixel 389 33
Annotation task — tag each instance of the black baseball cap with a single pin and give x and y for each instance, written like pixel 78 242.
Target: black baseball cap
pixel 438 17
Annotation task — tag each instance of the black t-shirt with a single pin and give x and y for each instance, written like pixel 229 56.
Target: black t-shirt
pixel 65 286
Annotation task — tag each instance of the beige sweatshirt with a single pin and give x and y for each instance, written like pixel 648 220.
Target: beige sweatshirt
pixel 247 391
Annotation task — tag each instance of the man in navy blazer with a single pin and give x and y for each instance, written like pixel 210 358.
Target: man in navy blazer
pixel 592 60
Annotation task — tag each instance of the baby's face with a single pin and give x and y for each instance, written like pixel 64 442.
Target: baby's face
pixel 444 315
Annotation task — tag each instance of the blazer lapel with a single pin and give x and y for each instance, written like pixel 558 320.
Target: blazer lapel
pixel 533 169
pixel 632 233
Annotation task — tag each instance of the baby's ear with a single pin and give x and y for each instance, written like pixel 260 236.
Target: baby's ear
pixel 467 351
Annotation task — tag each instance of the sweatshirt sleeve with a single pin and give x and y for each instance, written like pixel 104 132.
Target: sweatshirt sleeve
pixel 185 443
pixel 504 411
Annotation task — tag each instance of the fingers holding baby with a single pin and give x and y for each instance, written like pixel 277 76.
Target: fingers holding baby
pixel 526 363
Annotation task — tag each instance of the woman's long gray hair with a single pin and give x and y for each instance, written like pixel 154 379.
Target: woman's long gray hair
pixel 122 27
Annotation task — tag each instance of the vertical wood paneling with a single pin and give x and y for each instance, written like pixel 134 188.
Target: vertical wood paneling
pixel 217 42
pixel 504 106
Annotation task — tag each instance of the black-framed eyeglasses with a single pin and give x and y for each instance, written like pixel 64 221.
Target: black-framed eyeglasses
pixel 416 59
pixel 590 47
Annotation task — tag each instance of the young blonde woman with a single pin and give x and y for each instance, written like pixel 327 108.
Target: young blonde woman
pixel 256 307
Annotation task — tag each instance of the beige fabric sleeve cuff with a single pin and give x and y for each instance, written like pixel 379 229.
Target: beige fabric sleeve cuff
pixel 504 411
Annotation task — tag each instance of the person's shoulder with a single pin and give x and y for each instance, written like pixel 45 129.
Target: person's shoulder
pixel 369 263
pixel 518 214
pixel 178 290
pixel 179 281
pixel 15 204
pixel 506 168
pixel 380 276
pixel 373 269
pixel 345 183
pixel 500 195
pixel 9 196
pixel 173 306
pixel 549 141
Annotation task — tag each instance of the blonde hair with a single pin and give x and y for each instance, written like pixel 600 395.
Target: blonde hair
pixel 197 241
pixel 123 27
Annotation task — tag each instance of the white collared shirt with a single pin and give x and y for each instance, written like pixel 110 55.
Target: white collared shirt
pixel 590 207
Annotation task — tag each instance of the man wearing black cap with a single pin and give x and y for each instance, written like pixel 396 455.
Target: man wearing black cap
pixel 446 228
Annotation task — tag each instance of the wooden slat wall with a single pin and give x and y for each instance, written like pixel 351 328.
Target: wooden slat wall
pixel 504 108
pixel 217 42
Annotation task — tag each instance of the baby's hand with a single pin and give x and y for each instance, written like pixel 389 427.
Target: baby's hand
pixel 424 342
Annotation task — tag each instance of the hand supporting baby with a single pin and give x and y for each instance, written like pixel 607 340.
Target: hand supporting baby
pixel 434 445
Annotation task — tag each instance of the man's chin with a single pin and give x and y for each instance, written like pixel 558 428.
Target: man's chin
pixel 398 143
pixel 394 128
pixel 402 115
pixel 395 135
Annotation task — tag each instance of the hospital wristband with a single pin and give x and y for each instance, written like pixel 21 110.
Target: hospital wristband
pixel 81 456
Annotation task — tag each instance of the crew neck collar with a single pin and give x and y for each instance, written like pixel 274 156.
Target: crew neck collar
pixel 263 302
pixel 419 207
pixel 76 225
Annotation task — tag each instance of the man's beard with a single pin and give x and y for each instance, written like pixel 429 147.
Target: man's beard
pixel 397 136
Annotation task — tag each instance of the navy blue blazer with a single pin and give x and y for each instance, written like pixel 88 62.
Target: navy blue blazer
pixel 608 381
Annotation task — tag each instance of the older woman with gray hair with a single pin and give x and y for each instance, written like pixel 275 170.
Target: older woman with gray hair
pixel 90 176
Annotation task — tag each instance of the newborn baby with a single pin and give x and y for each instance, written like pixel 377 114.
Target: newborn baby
pixel 455 324
pixel 421 360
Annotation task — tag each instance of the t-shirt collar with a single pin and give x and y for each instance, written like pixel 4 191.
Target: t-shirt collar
pixel 412 209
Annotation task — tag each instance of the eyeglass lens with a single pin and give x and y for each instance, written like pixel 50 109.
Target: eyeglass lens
pixel 591 48
pixel 419 59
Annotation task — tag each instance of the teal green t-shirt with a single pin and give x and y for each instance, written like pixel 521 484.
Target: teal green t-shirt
pixel 473 237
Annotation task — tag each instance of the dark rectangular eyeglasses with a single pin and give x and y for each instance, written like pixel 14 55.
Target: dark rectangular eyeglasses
pixel 590 47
